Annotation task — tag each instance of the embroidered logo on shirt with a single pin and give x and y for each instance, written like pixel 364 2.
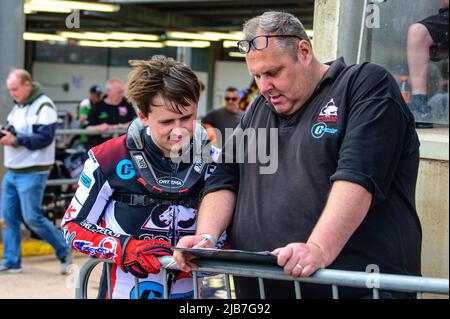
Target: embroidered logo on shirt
pixel 319 129
pixel 103 115
pixel 328 113
pixel 123 111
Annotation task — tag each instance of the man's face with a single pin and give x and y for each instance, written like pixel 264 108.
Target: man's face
pixel 18 91
pixel 170 131
pixel 281 79
pixel 232 100
pixel 116 92
pixel 94 97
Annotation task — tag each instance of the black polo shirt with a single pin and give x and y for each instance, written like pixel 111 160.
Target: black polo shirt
pixel 223 119
pixel 103 112
pixel 355 127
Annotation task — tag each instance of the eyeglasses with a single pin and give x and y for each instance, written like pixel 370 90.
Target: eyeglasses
pixel 261 42
pixel 232 99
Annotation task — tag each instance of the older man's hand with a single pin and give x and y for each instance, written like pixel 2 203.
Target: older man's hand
pixel 300 259
pixel 8 138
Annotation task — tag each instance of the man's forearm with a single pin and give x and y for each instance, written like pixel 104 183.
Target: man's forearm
pixel 347 206
pixel 215 213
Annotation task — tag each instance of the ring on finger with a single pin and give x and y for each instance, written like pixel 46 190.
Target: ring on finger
pixel 299 266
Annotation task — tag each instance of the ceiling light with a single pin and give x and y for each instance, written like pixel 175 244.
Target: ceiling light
pixel 229 44
pixel 100 44
pixel 142 44
pixel 76 5
pixel 110 36
pixel 193 36
pixel 32 8
pixel 31 36
pixel 132 36
pixel 189 44
pixel 120 44
pixel 84 35
pixel 236 55
pixel 224 36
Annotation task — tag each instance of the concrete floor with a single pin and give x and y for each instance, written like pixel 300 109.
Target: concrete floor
pixel 41 279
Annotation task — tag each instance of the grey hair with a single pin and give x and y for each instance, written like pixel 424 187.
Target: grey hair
pixel 275 22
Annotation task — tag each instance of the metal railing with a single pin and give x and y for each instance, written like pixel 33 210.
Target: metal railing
pixel 115 132
pixel 71 132
pixel 334 278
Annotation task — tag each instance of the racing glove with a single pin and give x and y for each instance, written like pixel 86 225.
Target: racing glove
pixel 139 257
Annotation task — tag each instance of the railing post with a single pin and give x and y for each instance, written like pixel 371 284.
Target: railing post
pixel 262 291
pixel 195 282
pixel 108 280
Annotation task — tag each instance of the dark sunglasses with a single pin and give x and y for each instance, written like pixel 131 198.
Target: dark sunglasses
pixel 233 99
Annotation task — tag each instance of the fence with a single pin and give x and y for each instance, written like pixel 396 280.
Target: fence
pixel 334 278
pixel 58 192
pixel 72 132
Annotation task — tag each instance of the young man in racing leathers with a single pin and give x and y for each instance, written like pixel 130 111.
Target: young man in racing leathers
pixel 138 193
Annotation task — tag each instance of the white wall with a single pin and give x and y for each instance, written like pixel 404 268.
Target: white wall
pixel 80 78
pixel 229 74
pixel 52 76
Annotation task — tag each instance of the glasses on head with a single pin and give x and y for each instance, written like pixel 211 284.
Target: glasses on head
pixel 232 99
pixel 261 42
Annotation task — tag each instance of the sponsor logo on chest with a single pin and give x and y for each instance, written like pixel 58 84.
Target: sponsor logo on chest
pixel 167 181
pixel 123 110
pixel 328 113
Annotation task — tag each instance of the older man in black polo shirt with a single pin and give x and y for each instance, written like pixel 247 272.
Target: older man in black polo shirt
pixel 343 196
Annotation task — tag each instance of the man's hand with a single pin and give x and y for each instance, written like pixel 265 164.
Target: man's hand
pixel 299 259
pixel 8 138
pixel 183 259
pixel 140 256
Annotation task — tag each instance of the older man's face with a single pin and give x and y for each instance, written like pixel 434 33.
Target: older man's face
pixel 283 80
pixel 116 92
pixel 17 90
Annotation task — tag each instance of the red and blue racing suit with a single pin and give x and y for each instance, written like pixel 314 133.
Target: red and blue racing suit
pixel 97 224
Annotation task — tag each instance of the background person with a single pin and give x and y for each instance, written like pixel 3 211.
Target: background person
pixel 426 40
pixel 113 112
pixel 29 156
pixel 225 117
pixel 85 106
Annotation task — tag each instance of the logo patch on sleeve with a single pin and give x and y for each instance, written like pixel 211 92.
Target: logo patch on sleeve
pixel 85 180
pixel 125 169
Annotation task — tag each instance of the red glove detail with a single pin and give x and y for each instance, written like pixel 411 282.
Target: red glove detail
pixel 140 256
